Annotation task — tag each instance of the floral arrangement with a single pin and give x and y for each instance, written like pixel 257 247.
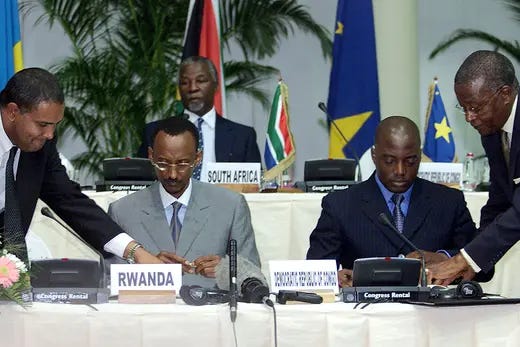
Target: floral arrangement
pixel 14 277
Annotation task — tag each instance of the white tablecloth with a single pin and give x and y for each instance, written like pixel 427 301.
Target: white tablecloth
pixel 282 223
pixel 339 324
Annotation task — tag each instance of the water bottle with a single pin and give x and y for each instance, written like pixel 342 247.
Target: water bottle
pixel 469 180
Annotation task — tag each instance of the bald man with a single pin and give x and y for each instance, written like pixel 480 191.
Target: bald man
pixel 486 87
pixel 434 217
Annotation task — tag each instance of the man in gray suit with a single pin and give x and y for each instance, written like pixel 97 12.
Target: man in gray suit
pixel 182 220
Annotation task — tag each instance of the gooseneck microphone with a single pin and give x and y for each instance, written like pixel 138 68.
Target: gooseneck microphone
pixel 253 285
pixel 49 214
pixel 323 108
pixel 383 218
pixel 233 291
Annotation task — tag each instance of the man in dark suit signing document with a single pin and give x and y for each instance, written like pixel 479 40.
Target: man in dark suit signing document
pixel 434 217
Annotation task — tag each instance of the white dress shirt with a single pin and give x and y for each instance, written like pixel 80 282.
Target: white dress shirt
pixel 167 200
pixel 5 147
pixel 208 135
pixel 116 246
pixel 508 129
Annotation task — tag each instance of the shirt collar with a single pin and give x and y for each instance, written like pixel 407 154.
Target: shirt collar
pixel 5 142
pixel 209 118
pixel 510 123
pixel 167 199
pixel 388 194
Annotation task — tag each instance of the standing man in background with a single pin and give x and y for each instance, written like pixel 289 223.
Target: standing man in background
pixel 220 139
pixel 31 106
pixel 487 90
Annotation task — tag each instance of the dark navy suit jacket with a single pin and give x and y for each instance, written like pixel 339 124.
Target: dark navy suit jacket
pixel 500 217
pixel 41 175
pixel 348 227
pixel 234 142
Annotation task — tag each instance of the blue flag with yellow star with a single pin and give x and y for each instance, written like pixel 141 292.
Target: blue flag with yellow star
pixel 438 140
pixel 353 102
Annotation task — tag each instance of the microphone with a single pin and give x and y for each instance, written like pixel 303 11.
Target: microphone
pixel 49 214
pixel 233 291
pixel 383 218
pixel 323 108
pixel 198 296
pixel 253 285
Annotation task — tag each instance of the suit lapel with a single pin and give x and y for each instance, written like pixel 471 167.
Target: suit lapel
pixel 195 220
pixel 154 221
pixel 373 201
pixel 493 146
pixel 418 210
pixel 514 163
pixel 223 140
pixel 373 205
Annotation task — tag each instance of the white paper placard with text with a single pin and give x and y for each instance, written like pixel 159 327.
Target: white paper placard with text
pixel 231 173
pixel 145 277
pixel 444 173
pixel 303 275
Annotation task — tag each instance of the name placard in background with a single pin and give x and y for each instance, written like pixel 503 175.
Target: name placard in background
pixel 145 277
pixel 303 275
pixel 231 173
pixel 449 174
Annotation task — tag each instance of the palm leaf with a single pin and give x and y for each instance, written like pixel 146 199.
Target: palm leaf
pixel 512 48
pixel 122 73
pixel 244 77
pixel 259 26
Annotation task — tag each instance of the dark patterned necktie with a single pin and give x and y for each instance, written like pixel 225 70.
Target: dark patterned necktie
pixel 506 148
pixel 175 223
pixel 398 215
pixel 14 234
pixel 198 168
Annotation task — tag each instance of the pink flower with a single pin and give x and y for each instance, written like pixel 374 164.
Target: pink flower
pixel 9 274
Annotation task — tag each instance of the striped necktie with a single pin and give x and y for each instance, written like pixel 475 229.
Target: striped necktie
pixel 14 234
pixel 198 168
pixel 398 215
pixel 175 222
pixel 506 147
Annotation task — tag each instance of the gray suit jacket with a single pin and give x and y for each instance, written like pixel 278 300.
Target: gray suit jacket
pixel 214 215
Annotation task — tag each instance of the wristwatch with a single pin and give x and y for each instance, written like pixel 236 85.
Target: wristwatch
pixel 130 258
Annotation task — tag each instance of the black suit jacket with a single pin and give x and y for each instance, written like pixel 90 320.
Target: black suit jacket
pixel 348 227
pixel 41 175
pixel 234 142
pixel 500 217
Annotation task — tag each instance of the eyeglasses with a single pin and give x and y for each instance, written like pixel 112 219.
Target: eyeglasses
pixel 477 110
pixel 179 167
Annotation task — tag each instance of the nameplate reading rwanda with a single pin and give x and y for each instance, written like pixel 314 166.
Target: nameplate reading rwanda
pixel 145 277
pixel 303 275
pixel 231 173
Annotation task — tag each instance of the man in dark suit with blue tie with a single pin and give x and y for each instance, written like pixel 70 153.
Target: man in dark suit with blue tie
pixel 222 140
pixel 434 217
pixel 487 90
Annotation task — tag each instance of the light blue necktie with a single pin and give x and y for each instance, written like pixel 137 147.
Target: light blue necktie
pixel 175 223
pixel 197 170
pixel 398 215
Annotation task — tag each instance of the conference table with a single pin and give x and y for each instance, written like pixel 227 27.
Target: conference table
pixel 333 324
pixel 282 223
